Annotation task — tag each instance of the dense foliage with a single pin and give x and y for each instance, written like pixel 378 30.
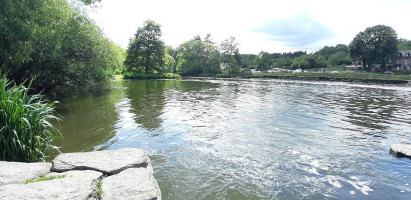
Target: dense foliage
pixel 295 60
pixel 230 55
pixel 145 53
pixel 377 44
pixel 404 44
pixel 25 129
pixel 56 45
pixel 196 57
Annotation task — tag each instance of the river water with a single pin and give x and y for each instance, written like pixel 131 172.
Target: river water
pixel 253 139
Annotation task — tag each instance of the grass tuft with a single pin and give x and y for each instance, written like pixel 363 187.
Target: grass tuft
pixel 43 178
pixel 100 189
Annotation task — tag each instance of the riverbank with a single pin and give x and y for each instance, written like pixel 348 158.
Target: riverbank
pixel 117 174
pixel 344 77
pixel 142 76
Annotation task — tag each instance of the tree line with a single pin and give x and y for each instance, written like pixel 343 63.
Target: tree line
pixel 203 57
pixel 146 53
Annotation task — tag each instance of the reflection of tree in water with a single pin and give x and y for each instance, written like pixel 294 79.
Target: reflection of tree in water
pixel 149 97
pixel 147 101
pixel 87 121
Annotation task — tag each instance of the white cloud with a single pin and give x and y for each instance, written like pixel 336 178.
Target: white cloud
pixel 183 19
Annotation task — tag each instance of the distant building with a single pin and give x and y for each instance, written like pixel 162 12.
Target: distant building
pixel 403 61
pixel 353 68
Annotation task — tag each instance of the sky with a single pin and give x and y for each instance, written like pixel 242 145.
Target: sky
pixel 257 25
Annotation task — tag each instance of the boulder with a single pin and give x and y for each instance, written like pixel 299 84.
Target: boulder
pixel 401 150
pixel 132 183
pixel 107 162
pixel 75 185
pixel 18 172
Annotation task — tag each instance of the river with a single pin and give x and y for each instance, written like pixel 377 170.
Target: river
pixel 254 138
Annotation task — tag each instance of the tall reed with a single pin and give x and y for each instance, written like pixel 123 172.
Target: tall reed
pixel 25 129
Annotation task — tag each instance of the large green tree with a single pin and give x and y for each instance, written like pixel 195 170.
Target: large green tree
pixel 375 45
pixel 196 57
pixel 230 55
pixel 264 61
pixel 145 52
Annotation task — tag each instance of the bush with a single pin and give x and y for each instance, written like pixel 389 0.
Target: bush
pixel 140 76
pixel 25 129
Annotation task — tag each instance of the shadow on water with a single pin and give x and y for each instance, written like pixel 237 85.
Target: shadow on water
pixel 87 121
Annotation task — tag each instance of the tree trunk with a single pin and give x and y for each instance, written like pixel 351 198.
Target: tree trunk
pixel 383 66
pixel 364 65
pixel 147 62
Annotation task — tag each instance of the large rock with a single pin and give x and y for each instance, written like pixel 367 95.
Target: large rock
pixel 108 162
pixel 401 150
pixel 18 172
pixel 133 183
pixel 75 185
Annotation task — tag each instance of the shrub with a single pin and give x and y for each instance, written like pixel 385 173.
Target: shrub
pixel 25 129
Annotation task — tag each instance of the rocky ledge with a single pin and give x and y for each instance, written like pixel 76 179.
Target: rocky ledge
pixel 117 174
pixel 401 150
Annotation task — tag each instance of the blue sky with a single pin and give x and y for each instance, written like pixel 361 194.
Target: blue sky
pixel 258 25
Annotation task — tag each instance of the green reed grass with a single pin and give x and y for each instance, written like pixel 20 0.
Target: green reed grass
pixel 25 129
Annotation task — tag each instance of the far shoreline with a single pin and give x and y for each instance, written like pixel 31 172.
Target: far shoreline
pixel 337 79
pixel 311 77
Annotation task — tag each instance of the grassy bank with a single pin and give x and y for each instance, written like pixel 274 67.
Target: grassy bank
pixel 137 76
pixel 348 77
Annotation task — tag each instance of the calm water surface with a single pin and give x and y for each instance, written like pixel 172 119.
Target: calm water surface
pixel 253 139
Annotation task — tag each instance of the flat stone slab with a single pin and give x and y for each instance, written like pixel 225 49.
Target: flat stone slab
pixel 18 172
pixel 75 185
pixel 132 183
pixel 108 162
pixel 401 150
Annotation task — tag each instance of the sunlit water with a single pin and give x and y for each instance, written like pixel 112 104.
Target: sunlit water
pixel 253 139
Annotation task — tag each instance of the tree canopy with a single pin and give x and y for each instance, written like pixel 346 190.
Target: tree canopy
pixel 230 55
pixel 196 57
pixel 56 45
pixel 335 56
pixel 377 44
pixel 404 44
pixel 145 52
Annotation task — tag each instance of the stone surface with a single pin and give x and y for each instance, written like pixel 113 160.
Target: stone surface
pixel 401 150
pixel 133 183
pixel 149 167
pixel 108 162
pixel 18 172
pixel 76 185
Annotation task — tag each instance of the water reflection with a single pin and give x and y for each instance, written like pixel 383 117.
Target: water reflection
pixel 147 102
pixel 87 121
pixel 258 139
